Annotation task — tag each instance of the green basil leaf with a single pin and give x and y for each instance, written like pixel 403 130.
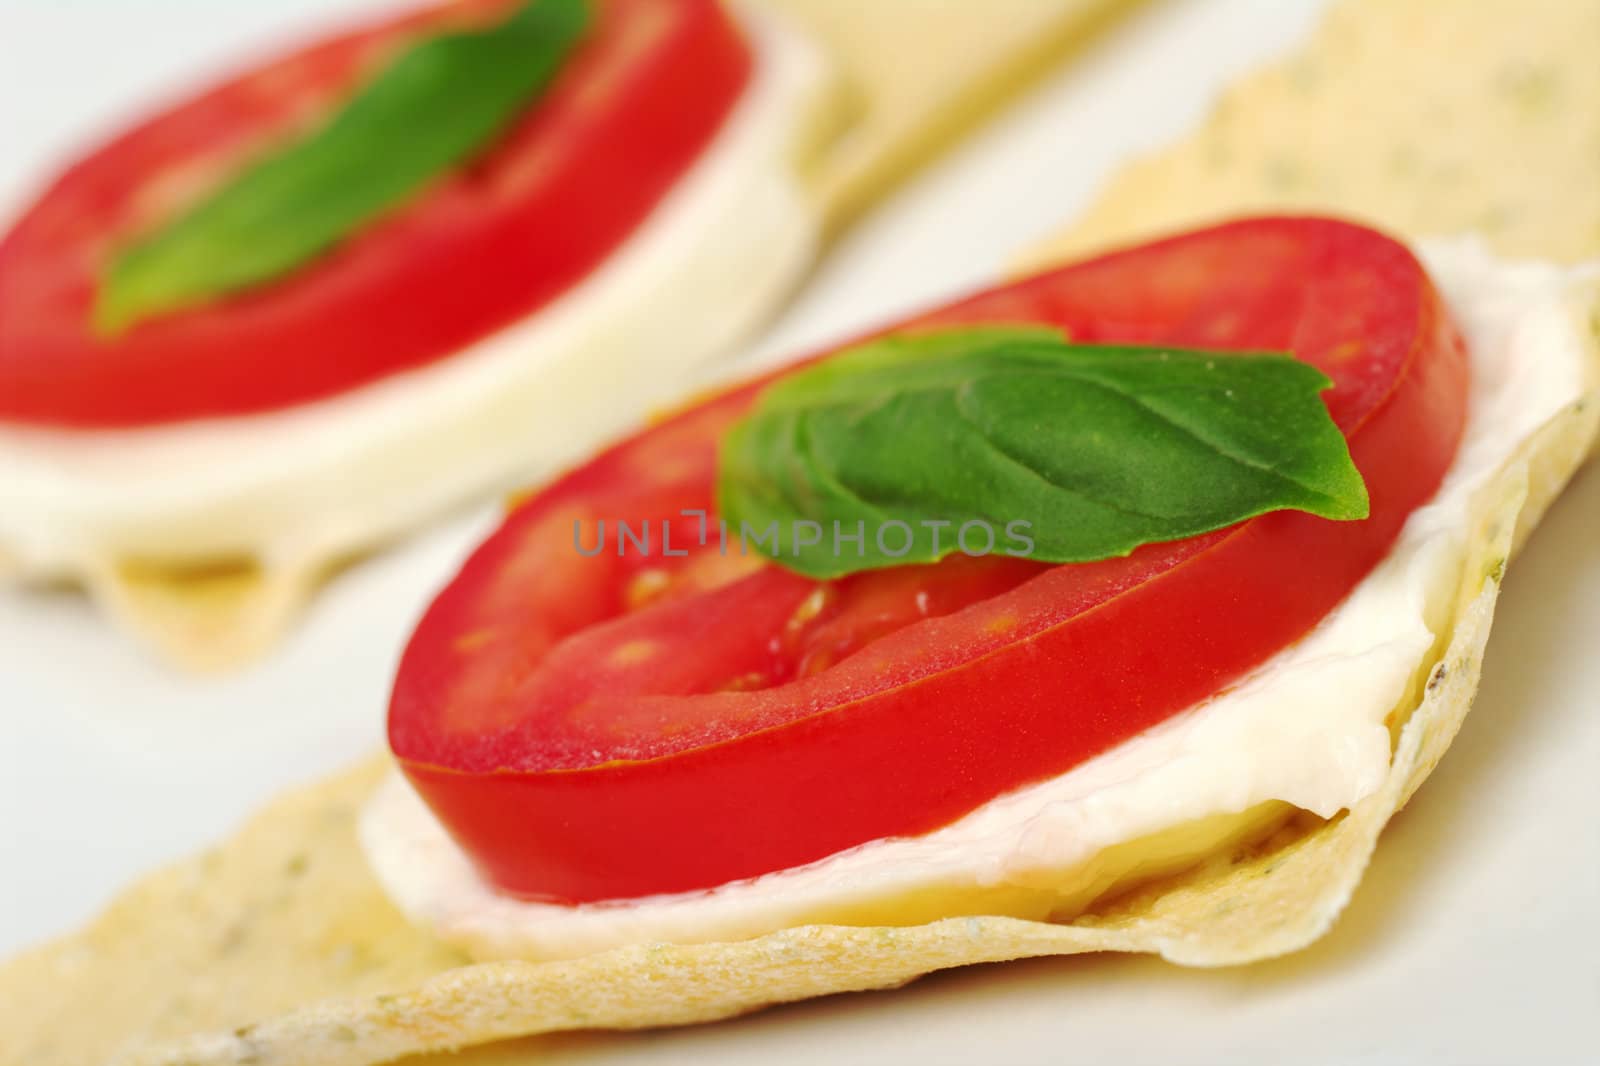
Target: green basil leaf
pixel 438 103
pixel 1098 449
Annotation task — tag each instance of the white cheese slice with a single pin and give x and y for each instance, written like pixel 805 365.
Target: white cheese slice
pixel 315 481
pixel 1306 730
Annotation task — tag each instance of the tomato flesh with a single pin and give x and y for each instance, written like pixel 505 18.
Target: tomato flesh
pixel 611 726
pixel 479 249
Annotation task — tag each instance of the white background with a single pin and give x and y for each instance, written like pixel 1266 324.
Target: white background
pixel 1473 939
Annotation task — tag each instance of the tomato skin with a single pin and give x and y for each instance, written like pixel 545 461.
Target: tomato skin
pixel 479 250
pixel 929 721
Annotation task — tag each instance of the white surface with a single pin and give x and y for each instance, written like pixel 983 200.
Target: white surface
pixel 1473 939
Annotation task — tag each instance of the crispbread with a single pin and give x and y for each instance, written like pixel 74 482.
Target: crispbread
pixel 919 72
pixel 206 618
pixel 278 946
pixel 1423 117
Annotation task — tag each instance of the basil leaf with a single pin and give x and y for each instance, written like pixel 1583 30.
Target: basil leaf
pixel 1099 449
pixel 438 103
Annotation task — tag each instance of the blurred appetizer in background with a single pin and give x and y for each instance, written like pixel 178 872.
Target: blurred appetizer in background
pixel 294 317
pixel 1273 470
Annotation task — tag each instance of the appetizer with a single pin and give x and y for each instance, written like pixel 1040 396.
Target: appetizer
pixel 292 318
pixel 1221 810
pixel 972 618
pixel 668 713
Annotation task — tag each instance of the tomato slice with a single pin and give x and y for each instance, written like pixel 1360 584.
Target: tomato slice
pixel 598 727
pixel 483 247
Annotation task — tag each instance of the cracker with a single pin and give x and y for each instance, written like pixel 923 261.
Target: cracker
pixel 1423 117
pixel 919 73
pixel 205 619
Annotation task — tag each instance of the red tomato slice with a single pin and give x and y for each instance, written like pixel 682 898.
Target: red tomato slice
pixel 602 727
pixel 480 249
